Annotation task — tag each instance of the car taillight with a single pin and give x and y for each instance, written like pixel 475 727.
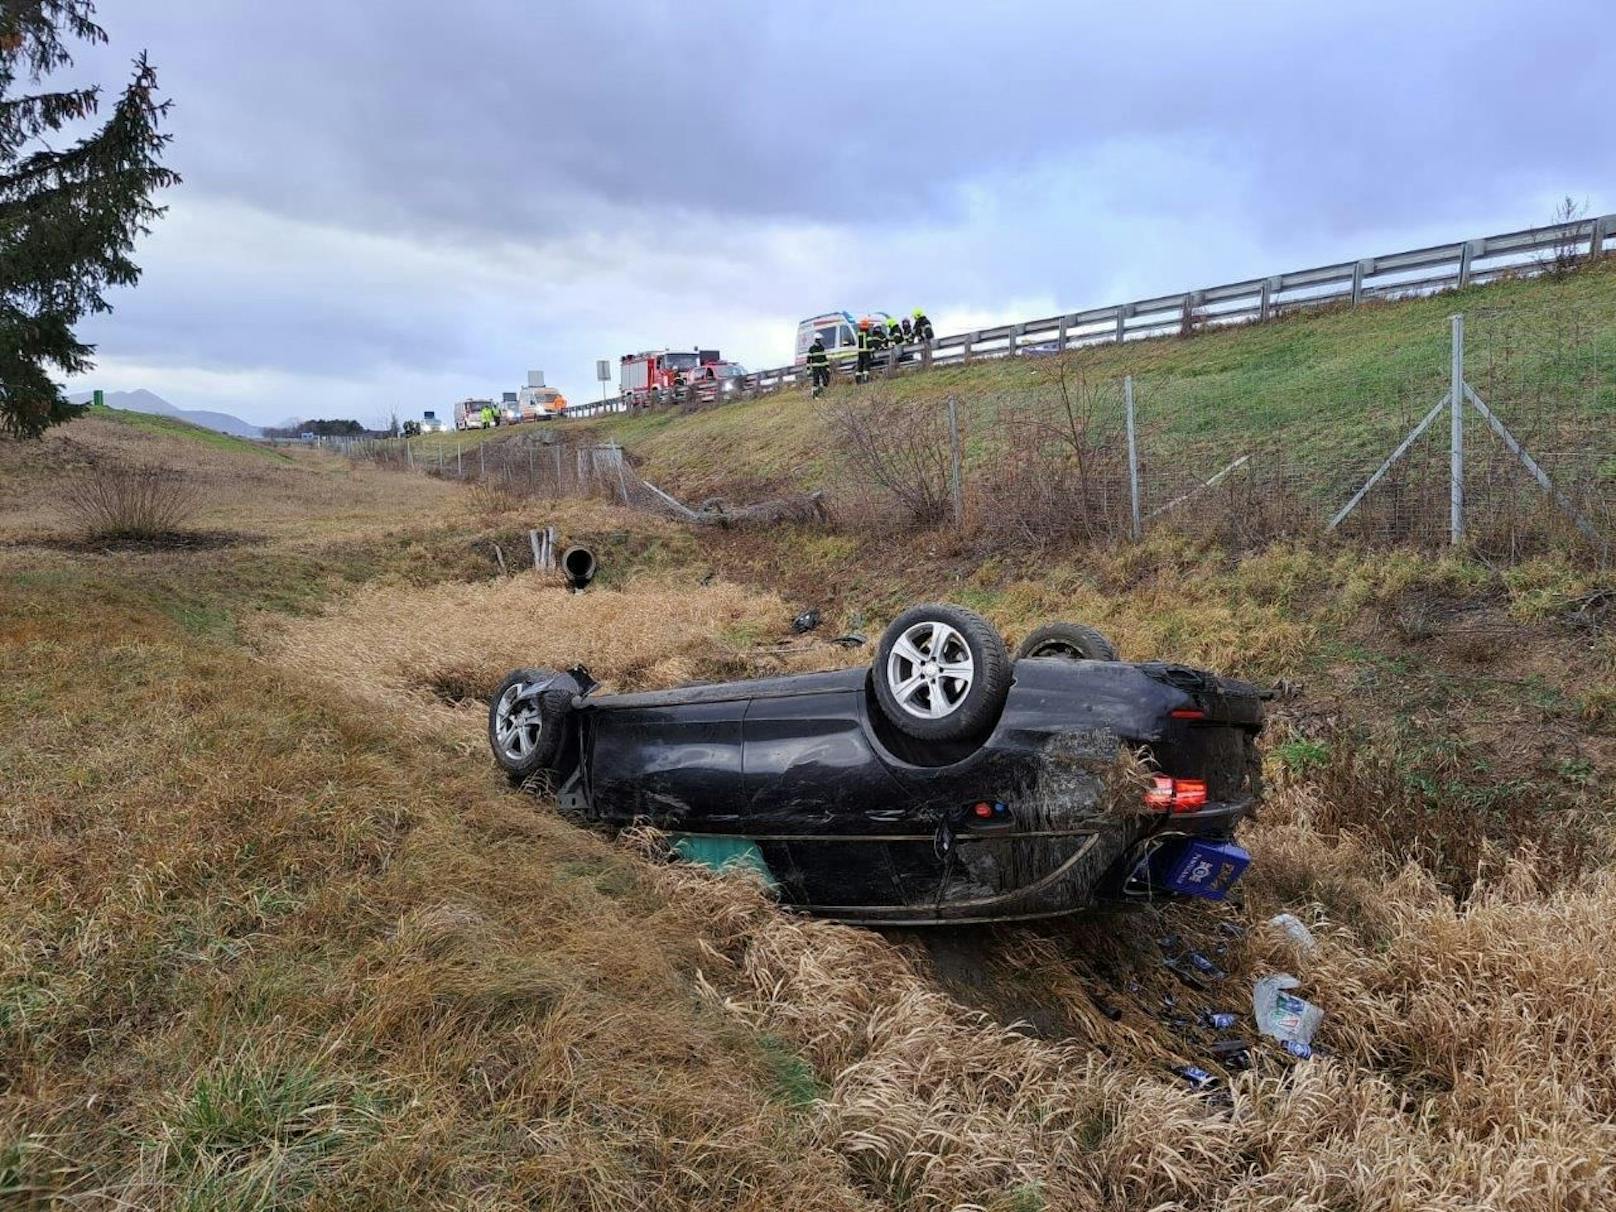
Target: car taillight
pixel 1166 794
pixel 1187 713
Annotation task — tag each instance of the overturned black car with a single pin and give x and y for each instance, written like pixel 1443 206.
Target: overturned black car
pixel 945 782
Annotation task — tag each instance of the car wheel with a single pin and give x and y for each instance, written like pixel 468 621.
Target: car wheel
pixel 941 673
pixel 1073 641
pixel 524 730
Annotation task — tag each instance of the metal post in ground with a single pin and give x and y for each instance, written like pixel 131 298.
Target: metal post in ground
pixel 1133 453
pixel 460 460
pixel 956 489
pixel 1456 402
pixel 482 461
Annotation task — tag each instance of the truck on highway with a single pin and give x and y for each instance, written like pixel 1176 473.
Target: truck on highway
pixel 652 375
pixel 539 404
pixel 469 413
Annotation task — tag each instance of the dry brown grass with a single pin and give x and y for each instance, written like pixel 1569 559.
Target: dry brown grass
pixel 257 950
pixel 298 495
pixel 1473 1064
pixel 425 652
pixel 266 945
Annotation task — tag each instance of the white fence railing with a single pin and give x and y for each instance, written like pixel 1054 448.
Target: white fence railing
pixel 1415 272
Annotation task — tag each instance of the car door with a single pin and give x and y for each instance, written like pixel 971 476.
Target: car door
pixel 826 814
pixel 677 764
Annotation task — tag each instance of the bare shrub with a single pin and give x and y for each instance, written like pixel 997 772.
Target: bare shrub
pixel 901 450
pixel 130 501
pixel 1064 476
pixel 1566 253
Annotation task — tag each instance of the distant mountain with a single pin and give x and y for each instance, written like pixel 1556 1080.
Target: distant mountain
pixel 149 401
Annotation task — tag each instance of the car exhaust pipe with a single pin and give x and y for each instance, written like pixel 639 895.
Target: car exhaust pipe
pixel 578 566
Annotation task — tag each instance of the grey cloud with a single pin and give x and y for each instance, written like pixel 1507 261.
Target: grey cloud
pixel 558 182
pixel 519 118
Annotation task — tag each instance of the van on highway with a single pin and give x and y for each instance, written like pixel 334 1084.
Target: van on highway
pixel 838 330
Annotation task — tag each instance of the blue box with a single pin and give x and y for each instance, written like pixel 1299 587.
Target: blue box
pixel 1196 868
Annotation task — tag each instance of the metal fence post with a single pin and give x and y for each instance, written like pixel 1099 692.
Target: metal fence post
pixel 956 488
pixel 460 461
pixel 1133 452
pixel 1456 451
pixel 482 461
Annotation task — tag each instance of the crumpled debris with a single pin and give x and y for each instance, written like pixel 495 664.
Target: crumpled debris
pixel 1282 1015
pixel 805 622
pixel 1295 930
pixel 1197 1077
pixel 851 640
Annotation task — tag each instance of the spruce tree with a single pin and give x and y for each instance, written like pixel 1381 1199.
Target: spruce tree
pixel 69 216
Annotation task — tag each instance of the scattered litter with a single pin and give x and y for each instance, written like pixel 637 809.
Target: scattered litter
pixel 1232 1054
pixel 851 640
pixel 1285 1017
pixel 1204 965
pixel 1169 942
pixel 1186 974
pixel 1232 929
pixel 805 622
pixel 1297 1048
pixel 1219 1020
pixel 1197 1077
pixel 1294 930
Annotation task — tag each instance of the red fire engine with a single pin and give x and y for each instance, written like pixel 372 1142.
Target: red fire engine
pixel 642 377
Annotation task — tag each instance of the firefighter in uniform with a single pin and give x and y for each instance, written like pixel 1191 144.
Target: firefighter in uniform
pixel 866 354
pixel 818 366
pixel 908 331
pixel 923 328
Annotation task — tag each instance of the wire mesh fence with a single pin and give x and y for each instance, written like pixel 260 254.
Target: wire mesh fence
pixel 1247 453
pixel 1238 454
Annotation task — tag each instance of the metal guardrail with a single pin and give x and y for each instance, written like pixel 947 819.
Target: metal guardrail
pixel 1418 271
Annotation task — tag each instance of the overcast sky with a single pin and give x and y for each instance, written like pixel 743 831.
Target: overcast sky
pixel 399 203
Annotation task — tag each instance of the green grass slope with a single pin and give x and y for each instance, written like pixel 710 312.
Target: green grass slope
pixel 173 427
pixel 1336 388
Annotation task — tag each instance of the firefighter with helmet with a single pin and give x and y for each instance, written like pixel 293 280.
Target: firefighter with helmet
pixel 866 352
pixel 922 326
pixel 818 366
pixel 894 333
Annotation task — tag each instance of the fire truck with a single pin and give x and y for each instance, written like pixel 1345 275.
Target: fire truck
pixel 469 414
pixel 648 377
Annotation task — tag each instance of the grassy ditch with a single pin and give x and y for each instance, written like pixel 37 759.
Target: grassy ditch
pixel 273 933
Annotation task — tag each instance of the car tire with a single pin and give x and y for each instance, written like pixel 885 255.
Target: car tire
pixel 941 673
pixel 1071 641
pixel 526 739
